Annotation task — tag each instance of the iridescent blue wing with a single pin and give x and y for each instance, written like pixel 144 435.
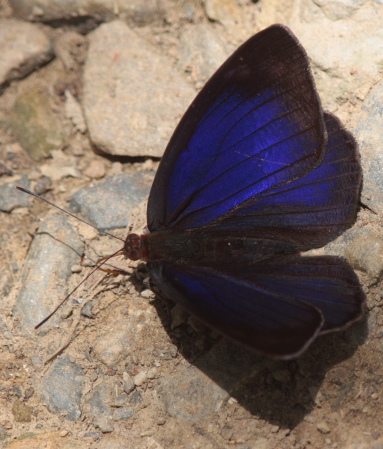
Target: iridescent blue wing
pixel 255 158
pixel 277 308
pixel 311 210
pixel 327 283
pixel 256 125
pixel 273 324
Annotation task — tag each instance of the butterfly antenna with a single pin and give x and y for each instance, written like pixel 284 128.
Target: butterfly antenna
pixel 105 260
pixel 68 213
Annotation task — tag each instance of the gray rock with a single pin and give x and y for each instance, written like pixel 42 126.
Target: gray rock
pixel 136 11
pixel 368 130
pixel 190 395
pixel 43 185
pixel 24 47
pixel 10 197
pixel 107 205
pixel 122 413
pixel 361 247
pixel 135 398
pixel 87 310
pixel 120 400
pixel 54 250
pixel 201 52
pixel 133 98
pixel 35 125
pixel 348 58
pixel 104 425
pixel 339 9
pixel 97 404
pixel 365 252
pixel 199 390
pixel 61 388
pixel 229 14
pixel 120 338
pixel 101 406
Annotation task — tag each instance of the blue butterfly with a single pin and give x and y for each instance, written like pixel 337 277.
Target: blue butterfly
pixel 254 174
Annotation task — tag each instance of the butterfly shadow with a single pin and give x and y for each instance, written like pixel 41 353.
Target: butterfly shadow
pixel 282 393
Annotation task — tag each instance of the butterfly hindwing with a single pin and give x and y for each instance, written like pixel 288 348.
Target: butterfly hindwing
pixel 311 210
pixel 271 323
pixel 327 283
pixel 277 307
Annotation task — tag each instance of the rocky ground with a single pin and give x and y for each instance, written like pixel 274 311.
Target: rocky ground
pixel 91 91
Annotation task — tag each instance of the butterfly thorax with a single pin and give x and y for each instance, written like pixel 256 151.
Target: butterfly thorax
pixel 203 248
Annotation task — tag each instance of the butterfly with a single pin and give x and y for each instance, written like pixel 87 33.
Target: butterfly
pixel 254 174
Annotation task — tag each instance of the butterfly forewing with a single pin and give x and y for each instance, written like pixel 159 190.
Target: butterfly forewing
pixel 257 124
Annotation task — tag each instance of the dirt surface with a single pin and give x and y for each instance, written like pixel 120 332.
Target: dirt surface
pixel 191 388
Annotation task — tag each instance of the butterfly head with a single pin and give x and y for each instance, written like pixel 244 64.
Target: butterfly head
pixel 134 247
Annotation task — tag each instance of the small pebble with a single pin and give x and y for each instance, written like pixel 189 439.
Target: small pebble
pixel 179 316
pixel 63 433
pixel 152 372
pixel 120 400
pixel 78 149
pixel 323 427
pixel 282 375
pixel 7 425
pixel 87 310
pixel 29 392
pixel 95 170
pixel 147 294
pixel 128 383
pixel 140 378
pixel 43 185
pixel 135 398
pixel 93 376
pixel 104 425
pixel 76 269
pixel 122 413
pixel 173 351
pixel 93 435
pixel 66 313
pixel 161 421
